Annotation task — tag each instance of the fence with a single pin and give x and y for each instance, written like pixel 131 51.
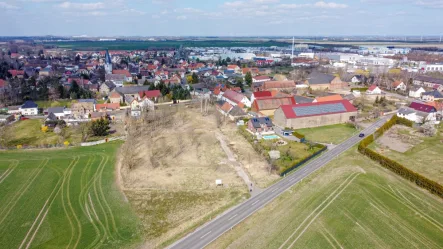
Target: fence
pixel 102 141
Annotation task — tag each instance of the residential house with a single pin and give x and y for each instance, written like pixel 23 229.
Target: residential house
pixel 117 79
pixel 419 113
pixel 126 73
pixel 115 97
pixel 106 88
pixel 235 98
pixel 152 95
pixel 287 85
pixel 327 98
pixel 107 107
pixel 260 94
pixel 235 68
pixel 399 85
pixel 267 106
pixel 87 101
pixel 82 110
pixel 321 81
pixel 261 78
pixel 373 89
pixel 356 79
pixel 29 108
pixel 14 110
pixel 17 73
pixel 315 114
pixel 427 81
pixel 416 91
pixel 59 112
pixel 259 125
pixel 431 96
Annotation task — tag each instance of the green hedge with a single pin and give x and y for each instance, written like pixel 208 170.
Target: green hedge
pixel 298 135
pixel 394 166
pixel 361 89
pixel 300 162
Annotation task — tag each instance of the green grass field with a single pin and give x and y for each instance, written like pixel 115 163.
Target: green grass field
pixel 58 103
pixel 425 158
pixel 28 132
pixel 64 198
pixel 328 134
pixel 351 203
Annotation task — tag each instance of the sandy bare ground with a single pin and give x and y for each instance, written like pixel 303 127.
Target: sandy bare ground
pixel 399 138
pixel 237 165
pixel 255 165
pixel 171 184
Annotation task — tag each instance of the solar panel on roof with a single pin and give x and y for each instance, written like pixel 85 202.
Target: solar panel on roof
pixel 301 111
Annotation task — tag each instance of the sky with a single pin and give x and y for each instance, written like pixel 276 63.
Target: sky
pixel 101 18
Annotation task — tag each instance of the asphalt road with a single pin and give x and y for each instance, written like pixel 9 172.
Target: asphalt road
pixel 212 230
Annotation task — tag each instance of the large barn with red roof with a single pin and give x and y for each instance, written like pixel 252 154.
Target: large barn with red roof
pixel 314 114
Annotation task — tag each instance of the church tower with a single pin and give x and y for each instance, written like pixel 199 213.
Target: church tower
pixel 108 63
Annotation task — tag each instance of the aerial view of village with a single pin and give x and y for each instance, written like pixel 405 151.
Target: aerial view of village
pixel 225 124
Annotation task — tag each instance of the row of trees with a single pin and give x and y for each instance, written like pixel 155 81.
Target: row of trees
pixel 174 92
pixel 47 88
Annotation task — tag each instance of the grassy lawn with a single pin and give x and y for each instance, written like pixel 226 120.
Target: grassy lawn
pixel 351 203
pixel 58 103
pixel 425 158
pixel 289 153
pixel 28 132
pixel 64 198
pixel 328 134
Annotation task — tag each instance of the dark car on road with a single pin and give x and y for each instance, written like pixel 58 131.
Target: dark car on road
pixel 361 135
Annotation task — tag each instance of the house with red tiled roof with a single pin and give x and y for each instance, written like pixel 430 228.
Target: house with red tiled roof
pixel 153 95
pixel 260 94
pixel 287 85
pixel 315 114
pixel 236 99
pixel 399 85
pixel 266 106
pixel 107 107
pixel 115 97
pixel 236 68
pixel 126 73
pixel 373 89
pixel 17 73
pixel 328 98
pixel 261 78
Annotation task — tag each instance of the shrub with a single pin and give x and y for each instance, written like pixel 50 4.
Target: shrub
pixel 361 89
pixel 298 135
pixel 394 166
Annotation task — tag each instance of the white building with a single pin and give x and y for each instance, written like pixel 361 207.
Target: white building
pixel 29 108
pixel 416 91
pixel 373 90
pixel 433 67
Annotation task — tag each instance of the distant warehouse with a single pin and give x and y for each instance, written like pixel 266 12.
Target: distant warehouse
pixel 315 114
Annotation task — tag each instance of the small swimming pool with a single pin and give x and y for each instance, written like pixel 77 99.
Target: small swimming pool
pixel 270 137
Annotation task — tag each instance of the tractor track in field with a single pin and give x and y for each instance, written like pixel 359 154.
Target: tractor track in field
pixel 50 200
pixel 313 213
pixel 10 169
pixel 73 162
pixel 22 190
